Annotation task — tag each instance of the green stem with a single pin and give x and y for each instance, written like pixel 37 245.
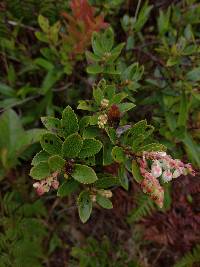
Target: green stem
pixel 137 9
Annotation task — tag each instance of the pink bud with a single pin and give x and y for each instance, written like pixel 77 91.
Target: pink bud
pixel 156 169
pixel 190 169
pixel 161 154
pixel 55 184
pixel 167 176
pixel 36 185
pixel 40 191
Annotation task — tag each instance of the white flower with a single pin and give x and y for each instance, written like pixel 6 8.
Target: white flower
pixel 156 169
pixel 165 164
pixel 167 176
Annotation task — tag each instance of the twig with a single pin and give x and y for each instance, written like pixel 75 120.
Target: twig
pixel 158 255
pixel 14 23
pixel 151 56
pixel 63 88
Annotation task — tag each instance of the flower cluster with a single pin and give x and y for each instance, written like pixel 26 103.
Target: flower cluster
pixel 102 120
pixel 45 185
pixel 155 165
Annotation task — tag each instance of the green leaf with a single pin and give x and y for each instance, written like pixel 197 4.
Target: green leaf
pixel 50 79
pixel 196 95
pixel 51 143
pixel 193 75
pixel 72 146
pixel 96 44
pixel 94 69
pixel 84 122
pixel 84 206
pixel 98 95
pixel 44 63
pixel 40 156
pixel 118 154
pixel 192 149
pixel 115 53
pixel 137 142
pixel 11 136
pixel 107 156
pixel 107 40
pixel 69 121
pixel 111 132
pixel 84 174
pixel 106 182
pixel 31 136
pixel 86 105
pixel 54 31
pixel 183 111
pixel 134 73
pixel 136 172
pixel 124 107
pixel 94 119
pixel 90 132
pixel 67 188
pixel 56 163
pixel 41 37
pixel 90 148
pixel 142 17
pixel 117 98
pixel 164 21
pixel 137 129
pixel 153 147
pixel 92 57
pixel 123 178
pixel 6 90
pixel 104 202
pixel 52 124
pixel 40 171
pixel 44 23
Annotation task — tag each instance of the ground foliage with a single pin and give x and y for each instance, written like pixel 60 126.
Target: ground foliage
pixel 47 63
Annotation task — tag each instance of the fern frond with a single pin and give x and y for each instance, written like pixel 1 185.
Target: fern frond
pixel 190 258
pixel 145 206
pixel 29 11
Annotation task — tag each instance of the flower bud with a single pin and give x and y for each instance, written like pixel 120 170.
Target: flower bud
pixel 105 193
pixel 93 197
pixel 104 103
pixel 167 176
pixel 36 185
pixel 177 172
pixel 40 190
pixel 156 169
pixel 55 184
pixel 102 120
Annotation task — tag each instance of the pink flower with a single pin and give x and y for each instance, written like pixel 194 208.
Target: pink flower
pixel 173 168
pixel 45 185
